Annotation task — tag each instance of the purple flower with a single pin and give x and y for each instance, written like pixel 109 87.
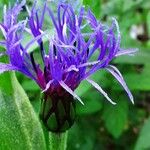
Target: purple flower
pixel 69 60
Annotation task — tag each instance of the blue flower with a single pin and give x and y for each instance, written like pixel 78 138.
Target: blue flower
pixel 69 60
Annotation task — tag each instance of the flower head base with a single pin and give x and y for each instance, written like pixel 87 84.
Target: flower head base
pixel 58 111
pixel 69 60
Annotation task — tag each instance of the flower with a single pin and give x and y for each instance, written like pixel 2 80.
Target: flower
pixel 69 60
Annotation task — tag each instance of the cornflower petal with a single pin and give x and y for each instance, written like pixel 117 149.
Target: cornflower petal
pixel 69 60
pixel 126 52
pixel 3 30
pixel 72 68
pixel 71 49
pixel 9 67
pixel 94 84
pixel 6 67
pixel 81 14
pixel 70 91
pixel 48 86
pixel 2 43
pixel 52 17
pixel 116 73
pixel 92 19
pixel 89 64
pixel 2 54
pixel 34 40
pixel 16 44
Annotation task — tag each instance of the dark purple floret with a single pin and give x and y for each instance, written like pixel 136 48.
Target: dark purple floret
pixel 69 60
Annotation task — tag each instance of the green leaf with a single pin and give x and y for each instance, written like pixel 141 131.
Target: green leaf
pixel 82 136
pixel 96 6
pixel 30 85
pixel 115 117
pixel 148 22
pixel 129 4
pixel 143 142
pixel 146 5
pixel 19 125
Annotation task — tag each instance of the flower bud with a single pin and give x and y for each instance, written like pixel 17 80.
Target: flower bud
pixel 57 112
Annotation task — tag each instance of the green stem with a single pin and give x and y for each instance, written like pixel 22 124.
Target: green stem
pixel 58 141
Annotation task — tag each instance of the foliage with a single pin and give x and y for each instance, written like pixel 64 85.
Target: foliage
pixel 99 124
pixel 20 127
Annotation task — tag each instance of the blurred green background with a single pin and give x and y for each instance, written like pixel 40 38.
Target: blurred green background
pixel 99 124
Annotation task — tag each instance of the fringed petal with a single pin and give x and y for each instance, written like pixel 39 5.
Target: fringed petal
pixel 116 73
pixel 48 86
pixel 94 84
pixel 80 19
pixel 92 19
pixel 53 18
pixel 126 52
pixel 88 64
pixel 2 54
pixel 3 43
pixel 117 45
pixel 10 67
pixel 7 67
pixel 70 91
pixel 2 28
pixel 72 68
pixel 43 13
pixel 34 40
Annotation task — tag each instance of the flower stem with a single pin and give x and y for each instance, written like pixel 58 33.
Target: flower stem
pixel 58 141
